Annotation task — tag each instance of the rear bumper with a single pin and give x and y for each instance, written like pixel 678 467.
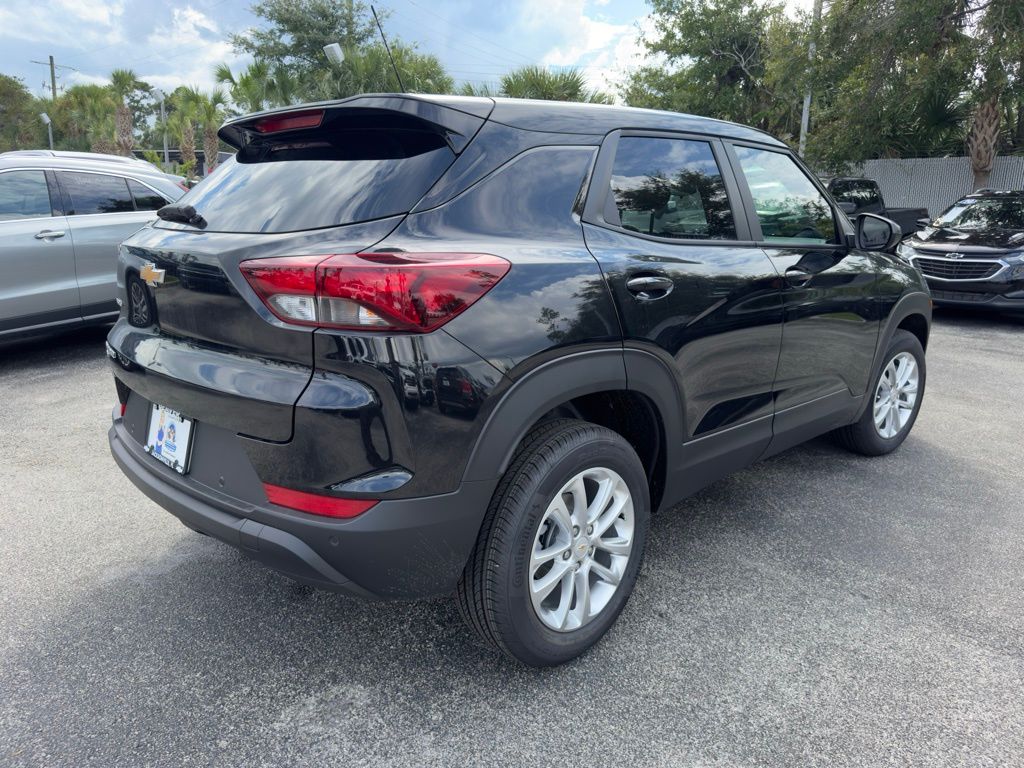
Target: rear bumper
pixel 408 548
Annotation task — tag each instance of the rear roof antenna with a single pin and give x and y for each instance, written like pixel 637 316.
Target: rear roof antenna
pixel 387 47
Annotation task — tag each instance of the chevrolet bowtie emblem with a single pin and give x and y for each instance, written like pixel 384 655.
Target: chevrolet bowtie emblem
pixel 151 274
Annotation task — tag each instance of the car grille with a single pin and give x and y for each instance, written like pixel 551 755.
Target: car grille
pixel 962 296
pixel 954 269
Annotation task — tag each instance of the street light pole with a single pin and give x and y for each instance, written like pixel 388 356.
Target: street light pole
pixel 49 127
pixel 163 123
pixel 805 116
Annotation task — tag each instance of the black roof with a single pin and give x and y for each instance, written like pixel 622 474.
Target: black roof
pixel 558 116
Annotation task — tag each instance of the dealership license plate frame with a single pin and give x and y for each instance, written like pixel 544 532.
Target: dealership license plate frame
pixel 156 446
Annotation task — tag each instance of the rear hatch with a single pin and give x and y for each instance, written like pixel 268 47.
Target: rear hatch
pixel 320 180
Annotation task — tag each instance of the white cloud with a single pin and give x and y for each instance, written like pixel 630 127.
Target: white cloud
pixel 83 25
pixel 186 50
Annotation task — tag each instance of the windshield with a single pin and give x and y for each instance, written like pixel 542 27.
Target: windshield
pixel 988 213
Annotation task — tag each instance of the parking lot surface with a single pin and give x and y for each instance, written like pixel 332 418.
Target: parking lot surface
pixel 817 609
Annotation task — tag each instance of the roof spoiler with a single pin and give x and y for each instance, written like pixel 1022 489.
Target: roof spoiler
pixel 458 119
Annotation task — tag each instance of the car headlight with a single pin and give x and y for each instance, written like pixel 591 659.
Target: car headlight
pixel 904 251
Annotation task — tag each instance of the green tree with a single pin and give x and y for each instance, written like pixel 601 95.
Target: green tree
pixel 207 109
pixel 259 86
pixel 20 126
pixel 729 59
pixel 83 118
pixel 369 70
pixel 536 82
pixel 298 30
pixel 122 83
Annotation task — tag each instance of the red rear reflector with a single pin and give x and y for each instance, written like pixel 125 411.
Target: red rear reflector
pixel 410 292
pixel 314 503
pixel 124 407
pixel 289 122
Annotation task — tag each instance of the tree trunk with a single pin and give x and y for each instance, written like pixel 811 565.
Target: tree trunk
pixel 983 140
pixel 188 146
pixel 210 145
pixel 123 130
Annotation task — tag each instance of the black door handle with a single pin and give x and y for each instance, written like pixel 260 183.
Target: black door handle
pixel 798 277
pixel 650 287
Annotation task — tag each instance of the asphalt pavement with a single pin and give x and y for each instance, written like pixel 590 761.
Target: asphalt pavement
pixel 818 609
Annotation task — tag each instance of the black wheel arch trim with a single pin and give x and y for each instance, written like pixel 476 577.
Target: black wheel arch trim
pixel 912 303
pixel 563 379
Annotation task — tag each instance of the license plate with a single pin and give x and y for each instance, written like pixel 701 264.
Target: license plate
pixel 169 438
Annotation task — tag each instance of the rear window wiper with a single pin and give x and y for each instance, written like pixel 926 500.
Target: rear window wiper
pixel 185 214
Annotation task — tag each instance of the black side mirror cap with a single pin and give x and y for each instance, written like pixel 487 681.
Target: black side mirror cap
pixel 877 233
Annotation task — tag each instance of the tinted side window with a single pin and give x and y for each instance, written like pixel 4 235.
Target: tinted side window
pixel 788 205
pixel 670 188
pixel 145 198
pixel 861 193
pixel 23 195
pixel 96 193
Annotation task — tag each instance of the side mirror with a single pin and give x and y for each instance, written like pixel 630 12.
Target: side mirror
pixel 847 207
pixel 924 221
pixel 877 233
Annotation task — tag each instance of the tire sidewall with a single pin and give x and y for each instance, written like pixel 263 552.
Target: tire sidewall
pixel 534 640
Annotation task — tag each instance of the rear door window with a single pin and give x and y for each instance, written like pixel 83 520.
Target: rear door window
pixel 788 205
pixel 670 188
pixel 145 198
pixel 355 168
pixel 23 195
pixel 95 193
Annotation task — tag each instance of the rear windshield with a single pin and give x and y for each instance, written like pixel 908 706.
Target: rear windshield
pixel 351 169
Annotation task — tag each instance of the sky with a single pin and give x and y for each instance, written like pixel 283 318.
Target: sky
pixel 174 43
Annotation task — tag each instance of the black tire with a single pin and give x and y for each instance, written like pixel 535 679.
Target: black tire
pixel 493 593
pixel 861 436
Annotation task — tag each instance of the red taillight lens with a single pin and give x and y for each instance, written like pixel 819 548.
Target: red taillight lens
pixel 289 122
pixel 374 291
pixel 314 503
pixel 182 184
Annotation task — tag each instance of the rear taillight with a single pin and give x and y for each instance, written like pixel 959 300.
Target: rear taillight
pixel 315 503
pixel 411 292
pixel 182 184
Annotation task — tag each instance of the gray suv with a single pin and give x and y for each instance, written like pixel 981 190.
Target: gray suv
pixel 61 220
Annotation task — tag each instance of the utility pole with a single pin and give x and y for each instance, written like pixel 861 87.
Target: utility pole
pixel 163 122
pixel 53 73
pixel 805 117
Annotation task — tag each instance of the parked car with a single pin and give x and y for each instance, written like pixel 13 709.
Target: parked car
pixel 865 196
pixel 61 220
pixel 973 254
pixel 456 388
pixel 626 351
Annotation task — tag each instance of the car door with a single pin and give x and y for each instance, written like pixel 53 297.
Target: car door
pixel 664 220
pixel 37 259
pixel 102 212
pixel 831 315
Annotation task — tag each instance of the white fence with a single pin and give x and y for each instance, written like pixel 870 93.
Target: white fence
pixel 936 183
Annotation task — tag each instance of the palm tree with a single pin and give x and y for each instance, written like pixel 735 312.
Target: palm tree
pixel 208 111
pixel 181 125
pixel 534 82
pixel 983 140
pixel 122 83
pixel 85 116
pixel 259 86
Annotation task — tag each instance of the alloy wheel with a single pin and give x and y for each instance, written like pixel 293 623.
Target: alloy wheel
pixel 581 549
pixel 896 395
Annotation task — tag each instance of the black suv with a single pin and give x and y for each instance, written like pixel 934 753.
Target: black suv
pixel 973 254
pixel 616 307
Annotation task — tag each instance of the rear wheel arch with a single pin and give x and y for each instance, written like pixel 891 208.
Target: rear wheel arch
pixel 632 394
